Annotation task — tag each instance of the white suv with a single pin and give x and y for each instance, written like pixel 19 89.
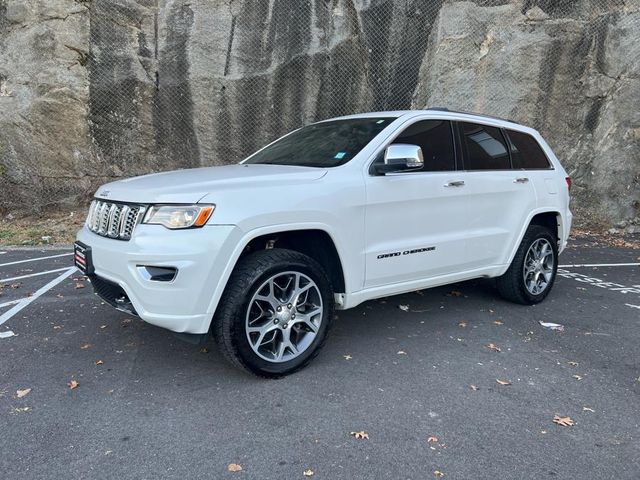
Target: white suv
pixel 329 216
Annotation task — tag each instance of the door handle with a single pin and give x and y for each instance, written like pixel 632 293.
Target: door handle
pixel 456 183
pixel 521 180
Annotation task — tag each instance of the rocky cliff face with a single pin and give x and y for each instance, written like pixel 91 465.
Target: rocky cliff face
pixel 92 90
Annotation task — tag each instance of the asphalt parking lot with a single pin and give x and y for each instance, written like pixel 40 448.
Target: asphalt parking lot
pixel 418 373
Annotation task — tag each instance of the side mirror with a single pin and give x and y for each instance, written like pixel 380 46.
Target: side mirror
pixel 400 157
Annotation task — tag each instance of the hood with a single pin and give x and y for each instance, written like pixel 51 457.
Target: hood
pixel 190 186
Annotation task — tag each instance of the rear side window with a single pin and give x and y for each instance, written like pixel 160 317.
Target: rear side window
pixel 435 138
pixel 485 147
pixel 526 152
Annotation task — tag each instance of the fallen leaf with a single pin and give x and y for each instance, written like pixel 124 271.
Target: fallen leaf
pixel 22 393
pixel 432 440
pixel 360 435
pixel 79 285
pixel 577 377
pixel 587 409
pixel 308 473
pixel 234 467
pixel 563 421
pixel 347 357
pixel 503 382
pixel 455 293
pixel 438 474
pixel 204 350
pixel 103 326
pixel 573 364
pixel 463 324
pixel 494 347
pixel 15 285
pixel 73 384
pixel 474 388
pixel 85 346
pixel 99 362
pixel 401 352
pixel 404 308
pixel 498 322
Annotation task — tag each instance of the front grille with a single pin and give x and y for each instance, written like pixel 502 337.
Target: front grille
pixel 112 293
pixel 114 220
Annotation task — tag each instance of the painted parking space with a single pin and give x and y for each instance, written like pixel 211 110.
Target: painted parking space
pixel 150 405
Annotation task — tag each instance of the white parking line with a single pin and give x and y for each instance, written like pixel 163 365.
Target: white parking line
pixel 26 301
pixel 578 265
pixel 34 259
pixel 6 304
pixel 46 272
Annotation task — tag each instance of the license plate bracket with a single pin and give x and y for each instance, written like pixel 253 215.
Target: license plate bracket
pixel 82 258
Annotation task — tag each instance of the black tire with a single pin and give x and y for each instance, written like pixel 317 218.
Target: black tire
pixel 251 272
pixel 512 285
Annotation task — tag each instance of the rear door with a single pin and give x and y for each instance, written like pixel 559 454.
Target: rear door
pixel 416 221
pixel 498 197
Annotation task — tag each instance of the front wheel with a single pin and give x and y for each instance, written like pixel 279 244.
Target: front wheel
pixel 275 312
pixel 532 272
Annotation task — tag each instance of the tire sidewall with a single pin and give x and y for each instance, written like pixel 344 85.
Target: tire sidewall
pixel 238 328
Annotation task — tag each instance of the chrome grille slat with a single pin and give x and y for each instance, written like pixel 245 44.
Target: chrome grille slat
pixel 114 220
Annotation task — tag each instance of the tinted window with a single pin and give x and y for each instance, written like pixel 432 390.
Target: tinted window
pixel 325 144
pixel 485 147
pixel 526 152
pixel 435 139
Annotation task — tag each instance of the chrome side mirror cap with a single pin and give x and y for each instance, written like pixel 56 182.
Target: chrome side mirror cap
pixel 402 156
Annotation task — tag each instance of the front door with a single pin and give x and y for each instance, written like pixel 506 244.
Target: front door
pixel 416 220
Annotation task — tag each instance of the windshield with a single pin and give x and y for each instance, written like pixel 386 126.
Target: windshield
pixel 325 144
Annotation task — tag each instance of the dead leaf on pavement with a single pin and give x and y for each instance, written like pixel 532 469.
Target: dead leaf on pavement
pixel 498 322
pixel 404 308
pixel 577 377
pixel 347 357
pixel 204 350
pixel 308 473
pixel 401 352
pixel 475 388
pixel 79 285
pixel 22 393
pixel 73 384
pixel 99 362
pixel 494 347
pixel 503 382
pixel 234 467
pixel 432 440
pixel 573 364
pixel 463 324
pixel 563 421
pixel 103 326
pixel 455 293
pixel 15 285
pixel 438 474
pixel 587 409
pixel 360 435
pixel 85 346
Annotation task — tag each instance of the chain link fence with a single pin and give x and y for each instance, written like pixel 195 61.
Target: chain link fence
pixel 154 85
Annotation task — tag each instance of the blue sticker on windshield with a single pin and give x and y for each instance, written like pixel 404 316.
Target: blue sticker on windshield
pixel 340 155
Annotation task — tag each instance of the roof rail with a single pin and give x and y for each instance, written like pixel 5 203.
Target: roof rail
pixel 445 109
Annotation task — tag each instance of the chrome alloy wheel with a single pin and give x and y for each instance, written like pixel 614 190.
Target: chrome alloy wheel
pixel 284 317
pixel 539 265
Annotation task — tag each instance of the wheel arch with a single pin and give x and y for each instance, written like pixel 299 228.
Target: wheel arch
pixel 314 240
pixel 550 218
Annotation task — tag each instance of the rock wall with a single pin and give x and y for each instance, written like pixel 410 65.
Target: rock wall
pixel 92 90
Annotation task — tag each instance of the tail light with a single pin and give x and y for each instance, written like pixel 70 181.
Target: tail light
pixel 568 179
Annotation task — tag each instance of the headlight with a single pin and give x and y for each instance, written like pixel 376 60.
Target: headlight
pixel 178 216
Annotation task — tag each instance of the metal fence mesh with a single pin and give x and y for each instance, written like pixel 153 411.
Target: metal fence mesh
pixel 174 83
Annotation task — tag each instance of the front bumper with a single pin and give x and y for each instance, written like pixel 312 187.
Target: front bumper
pixel 183 304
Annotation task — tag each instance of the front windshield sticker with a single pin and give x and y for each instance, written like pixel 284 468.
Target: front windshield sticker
pixel 340 155
pixel 380 121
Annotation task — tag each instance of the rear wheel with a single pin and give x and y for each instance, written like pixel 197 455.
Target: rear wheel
pixel 275 313
pixel 532 272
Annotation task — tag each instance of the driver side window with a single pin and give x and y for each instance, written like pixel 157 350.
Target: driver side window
pixel 435 138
